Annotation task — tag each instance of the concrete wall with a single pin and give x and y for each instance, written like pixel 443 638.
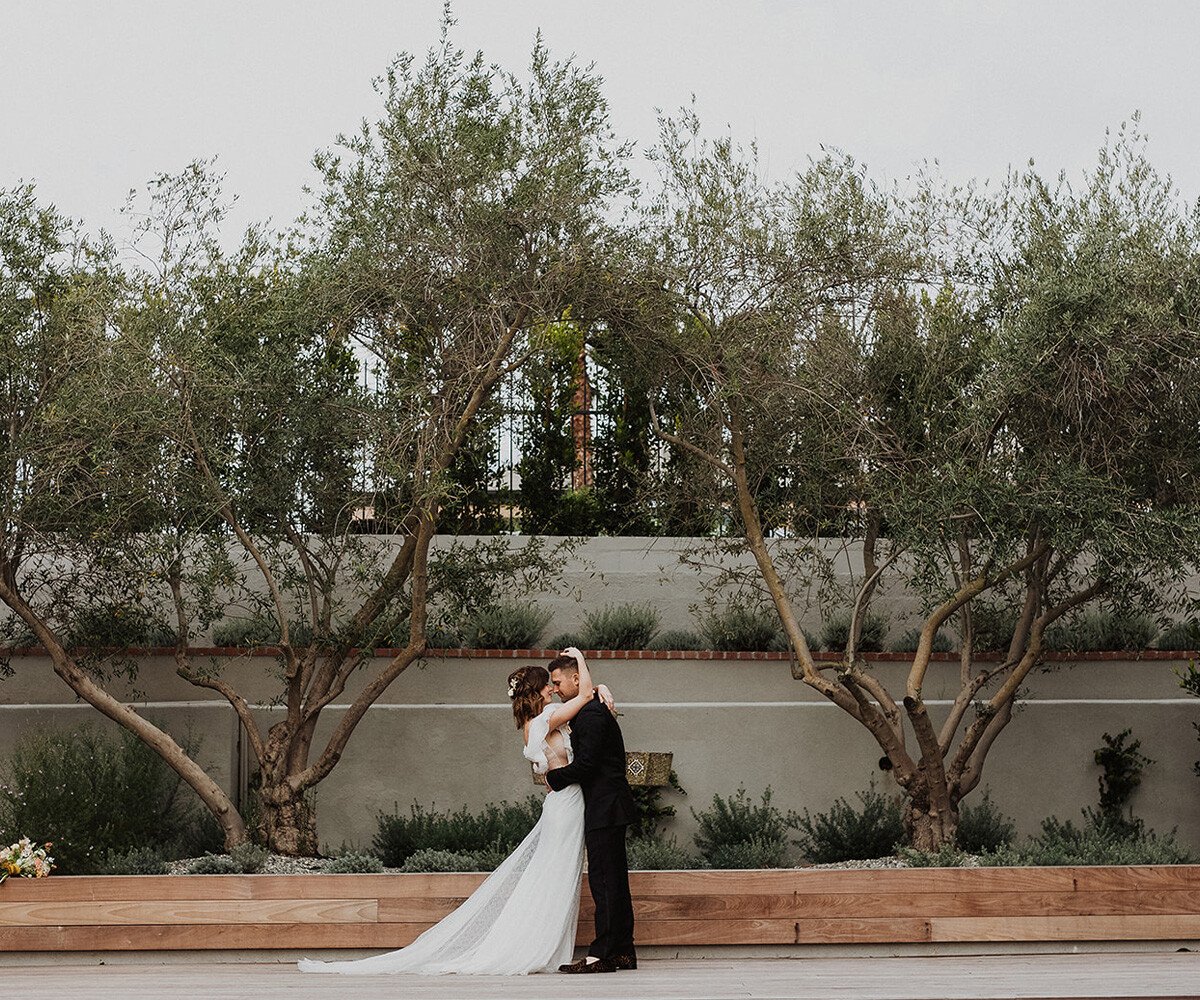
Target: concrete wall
pixel 443 734
pixel 651 570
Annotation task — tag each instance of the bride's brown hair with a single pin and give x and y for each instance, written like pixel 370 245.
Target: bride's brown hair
pixel 525 686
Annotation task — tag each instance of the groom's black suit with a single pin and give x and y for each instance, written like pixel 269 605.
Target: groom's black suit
pixel 599 769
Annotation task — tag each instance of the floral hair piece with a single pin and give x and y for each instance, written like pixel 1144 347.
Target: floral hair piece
pixel 512 688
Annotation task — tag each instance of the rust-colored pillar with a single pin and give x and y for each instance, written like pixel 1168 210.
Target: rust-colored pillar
pixel 581 423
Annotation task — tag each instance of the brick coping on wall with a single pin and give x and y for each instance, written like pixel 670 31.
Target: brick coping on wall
pixel 643 654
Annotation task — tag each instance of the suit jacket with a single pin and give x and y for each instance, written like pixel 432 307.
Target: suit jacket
pixel 598 768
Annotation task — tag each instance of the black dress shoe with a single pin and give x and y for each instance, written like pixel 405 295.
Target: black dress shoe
pixel 584 966
pixel 626 961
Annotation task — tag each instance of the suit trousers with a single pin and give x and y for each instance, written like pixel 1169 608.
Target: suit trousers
pixel 608 879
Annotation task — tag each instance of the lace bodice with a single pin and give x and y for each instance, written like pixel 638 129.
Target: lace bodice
pixel 548 748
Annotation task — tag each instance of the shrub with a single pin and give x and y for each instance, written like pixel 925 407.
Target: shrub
pixel 907 643
pixel 656 854
pixel 1180 635
pixel 353 863
pixel 138 861
pixel 93 796
pixel 992 627
pixel 566 639
pixel 849 834
pixel 1123 764
pixel 835 633
pixel 16 634
pixel 198 835
pixel 739 627
pixel 620 626
pixel 947 856
pixel 214 864
pixel 508 625
pixel 1189 680
pixel 736 833
pixel 1098 841
pixel 429 860
pixel 389 631
pixel 118 626
pixel 754 853
pixel 1108 835
pixel 498 827
pixel 677 638
pixel 650 811
pixel 249 858
pixel 442 635
pixel 983 827
pixel 1102 630
pixel 780 643
pixel 260 630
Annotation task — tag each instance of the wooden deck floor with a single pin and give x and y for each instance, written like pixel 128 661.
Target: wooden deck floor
pixel 947 978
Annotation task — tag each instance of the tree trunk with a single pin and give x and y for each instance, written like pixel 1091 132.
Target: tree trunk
pixel 928 829
pixel 286 822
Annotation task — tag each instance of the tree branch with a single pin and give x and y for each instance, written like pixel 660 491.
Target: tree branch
pixel 686 445
pixel 371 693
pixel 172 754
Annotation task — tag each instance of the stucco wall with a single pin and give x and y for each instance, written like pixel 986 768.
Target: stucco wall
pixel 651 570
pixel 443 735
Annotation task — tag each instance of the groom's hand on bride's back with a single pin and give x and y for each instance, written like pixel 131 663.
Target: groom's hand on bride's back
pixel 586 733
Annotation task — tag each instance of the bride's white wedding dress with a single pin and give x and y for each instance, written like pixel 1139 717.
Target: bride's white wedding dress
pixel 522 918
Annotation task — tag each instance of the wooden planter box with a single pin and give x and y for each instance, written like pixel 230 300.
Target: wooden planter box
pixel 789 907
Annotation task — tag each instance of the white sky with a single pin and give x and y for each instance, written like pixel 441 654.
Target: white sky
pixel 96 97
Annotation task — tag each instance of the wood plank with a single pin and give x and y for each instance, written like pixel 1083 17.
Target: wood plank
pixel 124 887
pixel 224 911
pixel 153 937
pixel 431 909
pixel 416 909
pixel 799 907
pixel 1139 877
pixel 1078 928
pixel 162 887
pixel 460 885
pixel 700 883
pixel 449 884
pixel 254 936
pixel 849 905
pixel 746 931
pixel 652 932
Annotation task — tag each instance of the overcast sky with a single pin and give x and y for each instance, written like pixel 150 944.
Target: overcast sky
pixel 97 97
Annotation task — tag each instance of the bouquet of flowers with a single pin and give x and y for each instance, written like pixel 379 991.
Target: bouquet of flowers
pixel 25 860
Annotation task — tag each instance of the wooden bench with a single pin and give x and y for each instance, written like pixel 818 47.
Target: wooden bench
pixel 777 907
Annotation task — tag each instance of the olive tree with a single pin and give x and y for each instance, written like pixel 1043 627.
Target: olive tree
pixel 216 446
pixel 994 397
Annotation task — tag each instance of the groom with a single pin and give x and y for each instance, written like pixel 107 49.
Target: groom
pixel 599 769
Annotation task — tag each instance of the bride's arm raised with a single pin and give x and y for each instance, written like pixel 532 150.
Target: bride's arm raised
pixel 569 709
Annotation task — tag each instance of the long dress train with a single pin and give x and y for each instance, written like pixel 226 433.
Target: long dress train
pixel 522 918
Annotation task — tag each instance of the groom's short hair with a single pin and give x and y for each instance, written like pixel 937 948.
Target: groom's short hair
pixel 563 663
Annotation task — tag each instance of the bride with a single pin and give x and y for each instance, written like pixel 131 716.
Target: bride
pixel 522 918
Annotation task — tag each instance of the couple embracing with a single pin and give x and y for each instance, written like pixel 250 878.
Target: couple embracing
pixel 522 918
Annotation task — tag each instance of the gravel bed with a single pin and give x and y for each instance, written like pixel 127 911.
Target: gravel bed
pixel 968 861
pixel 278 864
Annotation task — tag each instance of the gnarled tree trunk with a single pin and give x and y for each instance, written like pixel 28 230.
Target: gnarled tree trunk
pixel 286 821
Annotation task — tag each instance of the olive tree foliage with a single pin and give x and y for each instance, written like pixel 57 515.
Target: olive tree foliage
pixel 220 449
pixel 994 396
